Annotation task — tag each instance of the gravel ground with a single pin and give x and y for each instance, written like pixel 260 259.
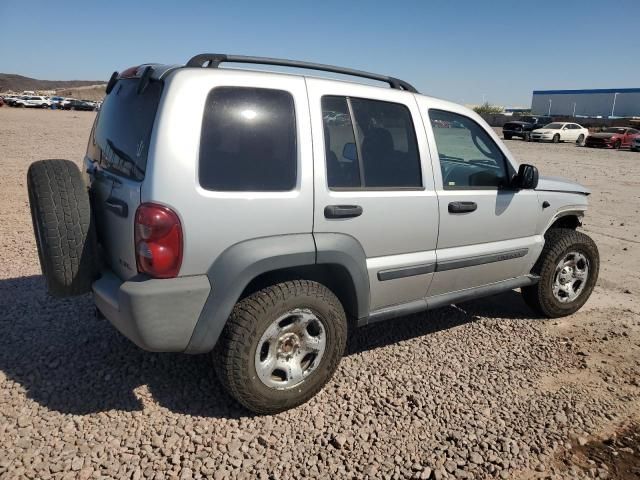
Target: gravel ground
pixel 479 390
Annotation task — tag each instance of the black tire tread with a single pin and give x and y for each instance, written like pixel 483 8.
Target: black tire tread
pixel 233 349
pixel 539 297
pixel 60 208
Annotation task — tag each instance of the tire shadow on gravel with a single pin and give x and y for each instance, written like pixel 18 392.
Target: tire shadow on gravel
pixel 69 361
pixel 507 305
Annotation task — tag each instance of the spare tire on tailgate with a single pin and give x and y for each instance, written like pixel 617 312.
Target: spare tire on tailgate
pixel 62 223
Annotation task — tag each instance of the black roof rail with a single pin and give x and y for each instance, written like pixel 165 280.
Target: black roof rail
pixel 213 60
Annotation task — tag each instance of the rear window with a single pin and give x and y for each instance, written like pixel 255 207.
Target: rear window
pixel 248 140
pixel 123 128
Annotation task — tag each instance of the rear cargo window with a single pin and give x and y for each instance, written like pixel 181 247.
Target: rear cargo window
pixel 123 128
pixel 248 140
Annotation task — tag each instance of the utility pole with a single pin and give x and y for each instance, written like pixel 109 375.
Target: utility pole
pixel 615 95
pixel 549 114
pixel 574 109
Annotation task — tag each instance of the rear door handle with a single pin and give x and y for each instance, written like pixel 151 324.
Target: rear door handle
pixel 342 211
pixel 462 207
pixel 117 206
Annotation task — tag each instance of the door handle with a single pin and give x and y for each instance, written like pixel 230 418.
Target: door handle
pixel 462 207
pixel 342 211
pixel 117 206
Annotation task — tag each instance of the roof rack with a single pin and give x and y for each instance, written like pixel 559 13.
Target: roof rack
pixel 213 60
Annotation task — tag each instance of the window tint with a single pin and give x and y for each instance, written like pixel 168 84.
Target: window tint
pixel 123 128
pixel 469 158
pixel 382 151
pixel 248 140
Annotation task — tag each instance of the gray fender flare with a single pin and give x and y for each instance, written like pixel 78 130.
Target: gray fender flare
pixel 239 264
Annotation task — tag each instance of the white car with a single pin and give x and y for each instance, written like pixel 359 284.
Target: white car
pixel 561 132
pixel 34 102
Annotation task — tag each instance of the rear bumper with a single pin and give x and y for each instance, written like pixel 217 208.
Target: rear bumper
pixel 157 315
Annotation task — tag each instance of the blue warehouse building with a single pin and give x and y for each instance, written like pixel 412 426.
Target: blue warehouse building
pixel 607 102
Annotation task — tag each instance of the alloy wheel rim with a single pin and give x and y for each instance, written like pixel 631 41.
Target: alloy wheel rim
pixel 570 277
pixel 290 349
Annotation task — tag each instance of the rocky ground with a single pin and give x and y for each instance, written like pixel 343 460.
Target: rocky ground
pixel 479 390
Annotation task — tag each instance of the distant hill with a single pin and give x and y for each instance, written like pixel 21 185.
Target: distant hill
pixel 18 83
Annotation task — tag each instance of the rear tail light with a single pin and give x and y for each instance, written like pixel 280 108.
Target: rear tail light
pixel 158 241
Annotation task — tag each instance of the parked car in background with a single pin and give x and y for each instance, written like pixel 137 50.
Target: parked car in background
pixel 13 100
pixel 58 101
pixel 635 144
pixel 561 132
pixel 613 137
pixel 35 101
pixel 79 105
pixel 522 128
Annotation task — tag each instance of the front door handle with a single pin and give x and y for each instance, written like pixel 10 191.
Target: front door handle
pixel 342 211
pixel 462 207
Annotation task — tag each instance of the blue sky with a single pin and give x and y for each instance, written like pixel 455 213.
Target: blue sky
pixel 462 50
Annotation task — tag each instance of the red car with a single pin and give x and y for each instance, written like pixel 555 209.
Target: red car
pixel 612 137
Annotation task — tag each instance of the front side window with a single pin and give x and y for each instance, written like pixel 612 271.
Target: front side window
pixel 469 158
pixel 370 144
pixel 248 140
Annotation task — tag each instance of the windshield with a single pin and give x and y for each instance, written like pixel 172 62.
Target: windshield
pixel 614 130
pixel 554 126
pixel 123 128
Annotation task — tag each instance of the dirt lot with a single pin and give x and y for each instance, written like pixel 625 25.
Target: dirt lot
pixel 473 391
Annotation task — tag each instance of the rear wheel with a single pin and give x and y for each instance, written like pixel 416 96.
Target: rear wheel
pixel 568 268
pixel 580 140
pixel 556 138
pixel 61 216
pixel 281 345
pixel 527 137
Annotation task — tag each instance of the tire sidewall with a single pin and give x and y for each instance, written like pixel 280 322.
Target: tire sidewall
pixel 37 228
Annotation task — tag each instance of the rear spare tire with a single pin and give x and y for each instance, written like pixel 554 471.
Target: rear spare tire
pixel 64 230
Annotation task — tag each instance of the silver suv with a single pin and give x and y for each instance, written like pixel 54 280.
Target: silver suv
pixel 254 214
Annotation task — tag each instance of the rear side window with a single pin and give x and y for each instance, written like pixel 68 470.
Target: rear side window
pixel 123 128
pixel 248 140
pixel 380 152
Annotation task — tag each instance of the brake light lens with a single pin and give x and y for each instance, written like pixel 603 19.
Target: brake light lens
pixel 158 241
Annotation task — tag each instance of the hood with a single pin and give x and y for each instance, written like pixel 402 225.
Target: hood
pixel 559 184
pixel 603 135
pixel 517 122
pixel 546 130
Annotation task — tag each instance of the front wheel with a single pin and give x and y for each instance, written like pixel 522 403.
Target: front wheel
pixel 617 144
pixel 507 137
pixel 281 345
pixel 556 138
pixel 568 269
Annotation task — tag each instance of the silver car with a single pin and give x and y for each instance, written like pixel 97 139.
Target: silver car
pixel 254 214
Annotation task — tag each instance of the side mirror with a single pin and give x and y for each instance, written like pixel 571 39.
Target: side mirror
pixel 527 177
pixel 349 151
